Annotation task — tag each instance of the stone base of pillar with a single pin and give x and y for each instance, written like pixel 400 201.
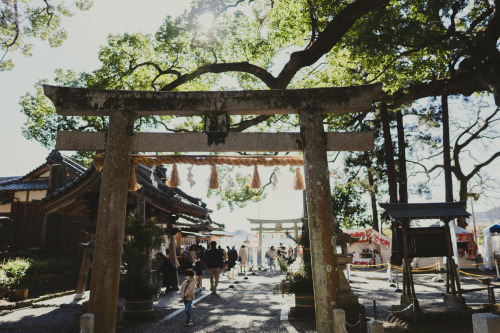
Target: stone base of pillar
pixel 354 312
pixel 298 313
pixel 355 315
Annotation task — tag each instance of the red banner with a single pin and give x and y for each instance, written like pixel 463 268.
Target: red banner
pixel 464 237
pixel 370 235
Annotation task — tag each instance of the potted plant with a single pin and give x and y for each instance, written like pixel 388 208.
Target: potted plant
pixel 137 285
pixel 300 283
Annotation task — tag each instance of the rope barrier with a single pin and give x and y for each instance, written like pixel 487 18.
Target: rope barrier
pixel 423 268
pixel 382 264
pixel 353 325
pixel 486 276
pixel 469 276
pixel 343 326
pixel 369 278
pixel 407 308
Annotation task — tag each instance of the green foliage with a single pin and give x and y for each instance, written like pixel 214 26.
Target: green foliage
pixel 348 207
pixel 404 44
pixel 282 262
pixel 140 241
pixel 22 21
pixel 299 282
pixel 295 283
pixel 53 266
pixel 239 194
pixel 12 272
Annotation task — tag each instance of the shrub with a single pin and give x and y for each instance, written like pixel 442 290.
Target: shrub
pixel 295 283
pixel 283 264
pixel 12 272
pixel 53 266
pixel 140 240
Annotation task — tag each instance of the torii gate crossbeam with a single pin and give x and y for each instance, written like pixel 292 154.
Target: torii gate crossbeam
pixel 123 106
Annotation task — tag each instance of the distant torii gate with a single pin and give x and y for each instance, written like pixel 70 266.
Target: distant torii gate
pixel 279 226
pixel 123 107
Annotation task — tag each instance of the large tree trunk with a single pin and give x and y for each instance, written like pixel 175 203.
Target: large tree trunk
pixel 402 176
pixel 448 183
pixel 373 199
pixel 463 194
pixel 389 156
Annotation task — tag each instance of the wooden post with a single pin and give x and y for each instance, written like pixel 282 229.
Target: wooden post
pixel 321 220
pixel 179 243
pixel 260 246
pixel 172 255
pixel 83 276
pixel 110 221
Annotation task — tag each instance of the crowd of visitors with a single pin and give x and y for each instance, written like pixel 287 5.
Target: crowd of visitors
pixel 196 259
pixel 272 255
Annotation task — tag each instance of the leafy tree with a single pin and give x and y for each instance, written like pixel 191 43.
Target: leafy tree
pixel 416 49
pixel 348 206
pixel 21 21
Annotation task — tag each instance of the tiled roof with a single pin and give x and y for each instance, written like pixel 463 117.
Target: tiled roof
pixel 143 175
pixel 70 184
pixel 434 210
pixel 25 183
pixel 8 179
pixel 33 185
pixel 56 157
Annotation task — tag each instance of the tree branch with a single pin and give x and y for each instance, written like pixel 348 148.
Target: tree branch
pixel 244 67
pixel 243 125
pixel 327 38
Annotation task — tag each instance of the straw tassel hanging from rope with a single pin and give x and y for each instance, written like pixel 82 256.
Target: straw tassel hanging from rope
pixel 255 178
pixel 214 179
pixel 133 185
pixel 173 181
pixel 298 183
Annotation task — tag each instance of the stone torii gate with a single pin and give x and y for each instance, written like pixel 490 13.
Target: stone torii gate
pixel 123 107
pixel 279 226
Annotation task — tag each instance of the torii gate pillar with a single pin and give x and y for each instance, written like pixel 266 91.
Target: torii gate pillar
pixel 321 219
pixel 110 226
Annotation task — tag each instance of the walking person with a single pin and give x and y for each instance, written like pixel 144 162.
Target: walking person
pixel 214 261
pixel 168 273
pixel 232 258
pixel 224 259
pixel 243 256
pixel 187 295
pixel 198 269
pixel 272 254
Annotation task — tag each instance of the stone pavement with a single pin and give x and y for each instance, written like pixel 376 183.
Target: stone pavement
pixel 250 306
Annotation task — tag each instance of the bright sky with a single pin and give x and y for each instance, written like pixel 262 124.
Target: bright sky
pixel 86 32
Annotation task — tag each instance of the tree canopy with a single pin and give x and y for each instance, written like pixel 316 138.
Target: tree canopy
pixel 22 21
pixel 416 49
